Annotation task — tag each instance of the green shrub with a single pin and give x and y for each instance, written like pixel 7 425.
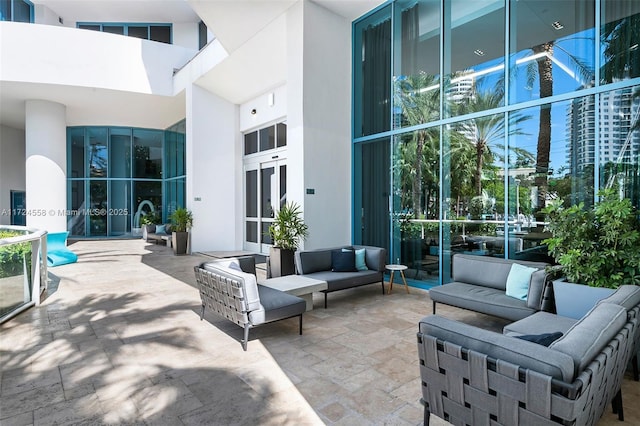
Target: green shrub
pixel 12 256
pixel 597 246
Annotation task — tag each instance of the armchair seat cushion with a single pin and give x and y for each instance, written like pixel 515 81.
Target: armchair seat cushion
pixel 276 305
pixel 343 280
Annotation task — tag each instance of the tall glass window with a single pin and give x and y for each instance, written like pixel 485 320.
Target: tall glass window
pixel 372 74
pixel 474 53
pixel 416 62
pixel 16 10
pixel 153 32
pixel 115 176
pixel 552 48
pixel 479 143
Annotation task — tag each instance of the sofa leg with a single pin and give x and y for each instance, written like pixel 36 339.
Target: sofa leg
pixel 325 300
pixel 301 324
pixel 202 313
pixel 434 308
pixel 382 282
pixel 634 366
pixel 616 404
pixel 427 415
pixel 246 337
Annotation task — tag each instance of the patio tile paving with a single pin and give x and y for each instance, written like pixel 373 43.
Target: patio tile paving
pixel 118 340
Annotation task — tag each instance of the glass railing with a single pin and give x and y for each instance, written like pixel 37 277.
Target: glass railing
pixel 23 273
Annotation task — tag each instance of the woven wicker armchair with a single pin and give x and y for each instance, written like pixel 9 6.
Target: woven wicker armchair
pixel 472 376
pixel 229 288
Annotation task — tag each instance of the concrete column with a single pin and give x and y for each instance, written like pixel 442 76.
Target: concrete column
pixel 46 165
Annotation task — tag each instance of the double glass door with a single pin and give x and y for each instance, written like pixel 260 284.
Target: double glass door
pixel 265 193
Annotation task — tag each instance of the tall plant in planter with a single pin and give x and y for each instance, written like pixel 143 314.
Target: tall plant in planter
pixel 287 231
pixel 597 247
pixel 181 222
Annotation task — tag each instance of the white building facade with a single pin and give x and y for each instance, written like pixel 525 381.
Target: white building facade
pixel 267 70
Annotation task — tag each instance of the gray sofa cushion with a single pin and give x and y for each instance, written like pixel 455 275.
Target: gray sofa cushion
pixel 485 271
pixel 540 322
pixel 477 298
pixel 520 352
pixel 311 261
pixel 375 257
pixel 627 296
pixel 536 289
pixel 588 336
pixel 342 280
pixel 276 305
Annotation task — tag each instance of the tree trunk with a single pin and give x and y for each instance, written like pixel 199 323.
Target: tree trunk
pixel 480 147
pixel 545 74
pixel 417 182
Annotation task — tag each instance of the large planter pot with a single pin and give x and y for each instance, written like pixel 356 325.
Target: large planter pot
pixel 575 300
pixel 179 242
pixel 282 262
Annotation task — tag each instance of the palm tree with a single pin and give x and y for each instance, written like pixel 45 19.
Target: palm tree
pixel 483 131
pixel 419 100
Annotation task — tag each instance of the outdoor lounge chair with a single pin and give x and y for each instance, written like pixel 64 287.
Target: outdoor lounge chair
pixel 57 251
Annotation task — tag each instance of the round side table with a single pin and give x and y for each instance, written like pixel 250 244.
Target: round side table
pixel 392 269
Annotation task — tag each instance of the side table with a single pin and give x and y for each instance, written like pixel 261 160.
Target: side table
pixel 392 269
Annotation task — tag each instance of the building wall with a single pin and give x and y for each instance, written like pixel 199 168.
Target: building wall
pixel 318 121
pixel 12 168
pixel 214 175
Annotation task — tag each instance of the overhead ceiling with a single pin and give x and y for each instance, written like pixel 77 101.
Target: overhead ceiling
pixel 254 63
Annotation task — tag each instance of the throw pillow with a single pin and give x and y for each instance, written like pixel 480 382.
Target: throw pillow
pixel 361 264
pixel 161 229
pixel 518 281
pixel 544 339
pixel 343 261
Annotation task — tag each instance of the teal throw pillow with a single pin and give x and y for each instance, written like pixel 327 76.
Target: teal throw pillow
pixel 161 229
pixel 518 281
pixel 361 265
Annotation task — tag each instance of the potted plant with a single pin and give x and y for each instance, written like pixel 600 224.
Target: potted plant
pixel 596 248
pixel 286 231
pixel 181 222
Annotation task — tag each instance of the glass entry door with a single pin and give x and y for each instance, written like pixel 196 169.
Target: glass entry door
pixel 265 193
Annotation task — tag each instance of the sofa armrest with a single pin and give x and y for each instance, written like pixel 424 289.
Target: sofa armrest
pixel 516 351
pixel 375 257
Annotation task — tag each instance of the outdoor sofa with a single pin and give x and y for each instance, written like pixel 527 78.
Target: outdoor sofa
pixel 319 264
pixel 480 284
pixel 475 376
pixel 229 288
pixel 157 234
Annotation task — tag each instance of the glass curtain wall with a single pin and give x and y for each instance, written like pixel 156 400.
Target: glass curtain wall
pixel 117 175
pixel 492 110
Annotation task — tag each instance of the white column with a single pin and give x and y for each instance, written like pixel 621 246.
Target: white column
pixel 46 165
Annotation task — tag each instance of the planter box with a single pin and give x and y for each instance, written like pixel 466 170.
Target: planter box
pixel 575 300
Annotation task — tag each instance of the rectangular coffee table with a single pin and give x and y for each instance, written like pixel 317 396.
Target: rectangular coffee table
pixel 297 285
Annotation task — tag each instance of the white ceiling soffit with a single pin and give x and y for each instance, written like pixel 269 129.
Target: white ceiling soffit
pixel 350 9
pixel 158 11
pixel 234 22
pixel 258 65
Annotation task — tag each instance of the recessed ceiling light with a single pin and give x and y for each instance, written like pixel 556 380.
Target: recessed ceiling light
pixel 634 47
pixel 557 25
pixel 478 52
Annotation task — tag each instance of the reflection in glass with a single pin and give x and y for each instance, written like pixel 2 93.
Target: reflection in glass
pixel 147 196
pixel 76 139
pixel 281 134
pixel 416 62
pixel 620 35
pixel 266 185
pixel 474 50
pixel 251 201
pixel 251 143
pixel 147 153
pixel 416 203
pixel 97 152
pixel 98 208
pixel 552 48
pixel 76 220
pixel 119 207
pixel 120 149
pixel 619 151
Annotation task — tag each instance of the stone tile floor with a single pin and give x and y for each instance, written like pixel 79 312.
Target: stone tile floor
pixel 118 340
